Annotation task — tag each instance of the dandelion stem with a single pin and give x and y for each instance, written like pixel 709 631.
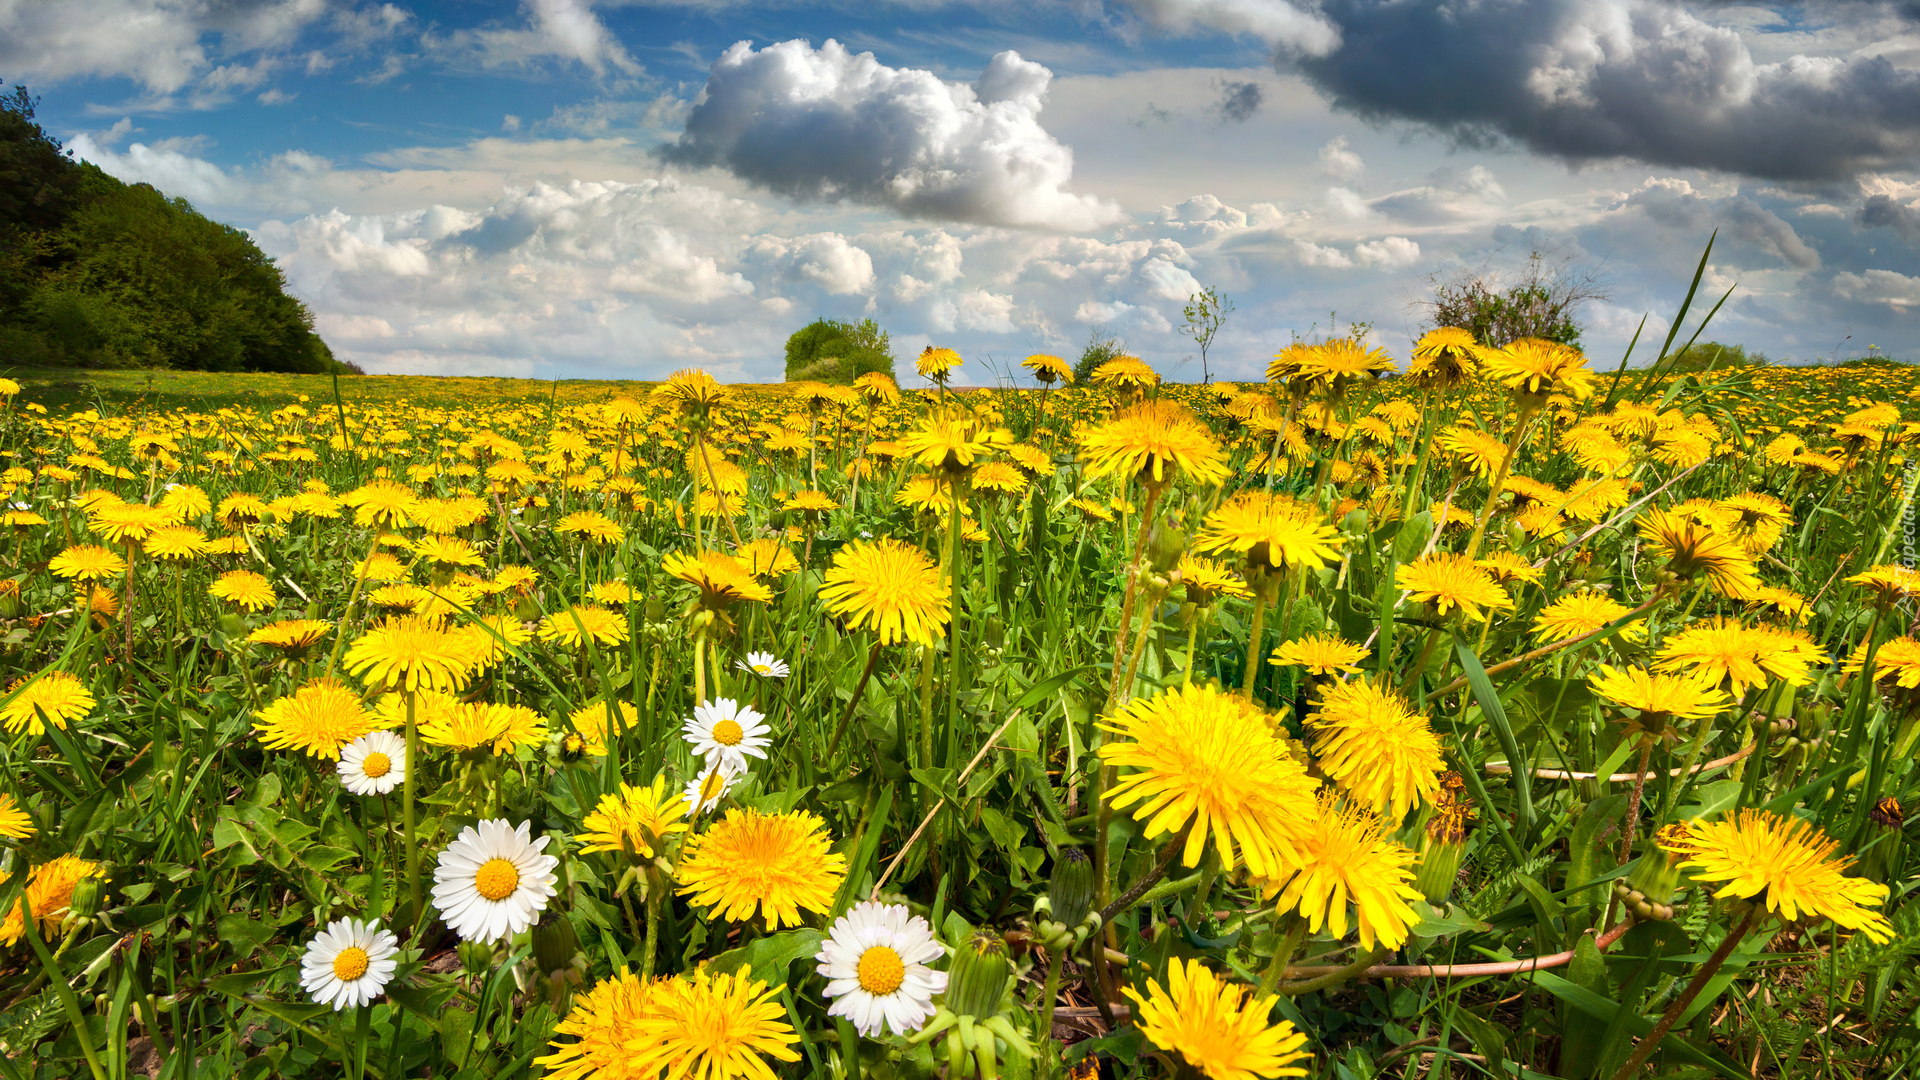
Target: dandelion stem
pixel 406 813
pixel 1652 1042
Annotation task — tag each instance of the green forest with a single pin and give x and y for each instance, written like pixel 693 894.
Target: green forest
pixel 101 274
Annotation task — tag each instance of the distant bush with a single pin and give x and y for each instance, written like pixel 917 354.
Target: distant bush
pixel 1542 300
pixel 1101 347
pixel 831 351
pixel 97 273
pixel 1712 354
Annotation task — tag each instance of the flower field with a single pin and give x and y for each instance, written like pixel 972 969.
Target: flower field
pixel 1504 717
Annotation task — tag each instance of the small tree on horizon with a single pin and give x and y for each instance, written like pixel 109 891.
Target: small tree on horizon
pixel 832 351
pixel 1205 312
pixel 1101 347
pixel 1542 300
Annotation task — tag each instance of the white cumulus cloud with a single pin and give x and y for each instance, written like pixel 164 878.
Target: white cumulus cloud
pixel 827 124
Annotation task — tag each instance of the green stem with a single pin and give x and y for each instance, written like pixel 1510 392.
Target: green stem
pixel 1260 601
pixel 1500 478
pixel 1647 1045
pixel 406 813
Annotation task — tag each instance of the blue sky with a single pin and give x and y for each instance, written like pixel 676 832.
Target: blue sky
pixel 565 188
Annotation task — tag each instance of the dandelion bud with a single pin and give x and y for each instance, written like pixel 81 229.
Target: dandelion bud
pixel 1442 846
pixel 1165 544
pixel 1657 873
pixel 1071 889
pixel 979 975
pixel 554 944
pixel 1880 845
pixel 86 897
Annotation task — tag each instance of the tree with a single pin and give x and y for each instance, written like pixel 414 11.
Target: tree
pixel 1543 299
pixel 1101 347
pixel 97 273
pixel 831 351
pixel 1206 310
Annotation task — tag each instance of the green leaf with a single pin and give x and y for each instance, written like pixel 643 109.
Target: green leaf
pixel 769 957
pixel 1589 848
pixel 1435 923
pixel 244 932
pixel 1605 1009
pixel 1496 714
pixel 1006 832
pixel 1715 798
pixel 1047 687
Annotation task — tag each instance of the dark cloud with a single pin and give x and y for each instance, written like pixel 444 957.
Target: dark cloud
pixel 1239 101
pixel 1642 79
pixel 1886 212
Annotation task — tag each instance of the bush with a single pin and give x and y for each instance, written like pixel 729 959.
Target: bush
pixel 1101 347
pixel 1542 301
pixel 1712 354
pixel 831 351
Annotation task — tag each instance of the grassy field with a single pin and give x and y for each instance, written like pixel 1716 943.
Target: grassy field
pixel 1504 718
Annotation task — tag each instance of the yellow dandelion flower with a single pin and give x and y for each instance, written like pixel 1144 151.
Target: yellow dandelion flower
pixel 888 587
pixel 1320 654
pixel 635 820
pixel 1581 614
pixel 1345 858
pixel 1209 759
pixel 317 720
pixel 578 625
pixel 1691 696
pixel 777 864
pixel 602 1022
pixel 14 821
pixel 591 526
pixel 49 892
pixel 87 562
pixel 1372 744
pixel 1152 441
pixel 1452 582
pixel 51 697
pixel 1534 367
pixel 710 1026
pixel 1219 1030
pixel 1270 531
pixel 1789 866
pixel 243 589
pixel 411 652
pixel 1693 549
pixel 1207 580
pixel 1741 655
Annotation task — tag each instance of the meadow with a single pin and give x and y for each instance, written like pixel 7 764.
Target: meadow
pixel 1507 717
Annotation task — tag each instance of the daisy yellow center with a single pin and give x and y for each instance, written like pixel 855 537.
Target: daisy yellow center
pixel 711 787
pixel 496 879
pixel 763 669
pixel 350 963
pixel 728 733
pixel 376 765
pixel 881 970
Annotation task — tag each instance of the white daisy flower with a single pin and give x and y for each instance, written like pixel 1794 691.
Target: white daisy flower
pixel 705 791
pixel 374 763
pixel 348 964
pixel 875 963
pixel 762 664
pixel 725 732
pixel 493 880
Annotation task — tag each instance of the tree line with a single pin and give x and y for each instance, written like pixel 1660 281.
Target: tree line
pixel 98 273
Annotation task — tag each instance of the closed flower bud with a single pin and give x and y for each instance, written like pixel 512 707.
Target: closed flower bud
pixel 554 944
pixel 1071 889
pixel 1443 845
pixel 978 979
pixel 86 896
